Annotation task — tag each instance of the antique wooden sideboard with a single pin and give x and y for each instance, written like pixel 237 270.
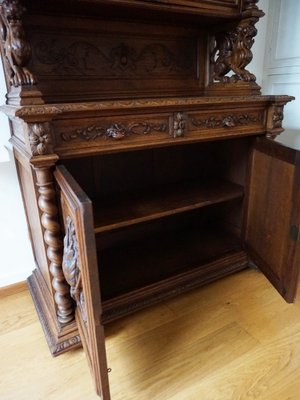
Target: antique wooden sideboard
pixel 146 157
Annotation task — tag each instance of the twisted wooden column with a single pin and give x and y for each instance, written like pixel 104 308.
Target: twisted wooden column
pixel 52 237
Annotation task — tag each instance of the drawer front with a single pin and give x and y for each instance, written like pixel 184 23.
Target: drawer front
pixel 115 133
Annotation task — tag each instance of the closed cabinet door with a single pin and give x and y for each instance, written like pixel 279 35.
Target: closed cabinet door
pixel 273 214
pixel 81 271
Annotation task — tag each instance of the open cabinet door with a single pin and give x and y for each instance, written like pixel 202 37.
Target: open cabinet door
pixel 81 272
pixel 272 218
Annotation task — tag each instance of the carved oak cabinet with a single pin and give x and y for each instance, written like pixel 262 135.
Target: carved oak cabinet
pixel 146 157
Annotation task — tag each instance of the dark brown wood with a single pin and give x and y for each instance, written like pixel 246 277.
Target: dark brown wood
pixel 273 214
pixel 161 202
pixel 151 107
pixel 81 271
pixel 52 237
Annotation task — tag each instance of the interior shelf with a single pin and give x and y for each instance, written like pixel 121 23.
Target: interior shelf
pixel 151 260
pixel 125 210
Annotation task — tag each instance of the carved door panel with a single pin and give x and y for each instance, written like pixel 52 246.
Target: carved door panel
pixel 81 271
pixel 273 214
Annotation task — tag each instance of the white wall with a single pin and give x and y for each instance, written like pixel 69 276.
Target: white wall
pixel 257 64
pixel 15 249
pixel 282 63
pixel 16 259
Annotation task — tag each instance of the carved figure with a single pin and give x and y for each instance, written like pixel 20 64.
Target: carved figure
pixel 232 52
pixel 16 48
pixel 71 268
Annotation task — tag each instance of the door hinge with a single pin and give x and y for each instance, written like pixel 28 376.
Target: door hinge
pixel 295 233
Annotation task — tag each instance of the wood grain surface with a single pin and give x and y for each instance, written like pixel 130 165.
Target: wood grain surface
pixel 235 339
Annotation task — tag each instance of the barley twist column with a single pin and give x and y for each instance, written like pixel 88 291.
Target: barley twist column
pixel 53 240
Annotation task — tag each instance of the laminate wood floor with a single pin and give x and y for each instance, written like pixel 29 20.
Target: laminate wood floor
pixel 235 339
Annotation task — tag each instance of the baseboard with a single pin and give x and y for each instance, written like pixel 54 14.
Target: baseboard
pixel 13 289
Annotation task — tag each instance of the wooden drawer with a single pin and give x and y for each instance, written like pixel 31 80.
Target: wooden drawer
pixel 115 133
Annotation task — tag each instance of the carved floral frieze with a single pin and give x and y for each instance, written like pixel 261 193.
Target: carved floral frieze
pixel 226 121
pixel 108 57
pixel 40 139
pixel 71 267
pixel 16 48
pixel 116 131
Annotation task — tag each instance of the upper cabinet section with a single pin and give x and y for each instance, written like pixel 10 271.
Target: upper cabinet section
pixel 92 50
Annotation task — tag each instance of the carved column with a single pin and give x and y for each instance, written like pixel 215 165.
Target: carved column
pixel 53 240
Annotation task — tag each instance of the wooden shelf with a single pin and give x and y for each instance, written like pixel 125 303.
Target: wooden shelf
pixel 146 262
pixel 161 202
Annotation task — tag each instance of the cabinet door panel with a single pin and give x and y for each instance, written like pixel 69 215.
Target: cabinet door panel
pixel 273 214
pixel 81 272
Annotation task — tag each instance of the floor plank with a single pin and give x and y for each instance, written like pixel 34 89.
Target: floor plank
pixel 235 339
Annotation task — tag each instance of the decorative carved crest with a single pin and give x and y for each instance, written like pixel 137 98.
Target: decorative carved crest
pixel 232 52
pixel 16 48
pixel 40 139
pixel 71 266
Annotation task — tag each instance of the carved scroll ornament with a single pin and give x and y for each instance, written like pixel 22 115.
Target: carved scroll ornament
pixel 16 48
pixel 71 266
pixel 232 52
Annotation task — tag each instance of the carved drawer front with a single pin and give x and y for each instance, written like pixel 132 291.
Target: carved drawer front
pixel 111 132
pixel 130 131
pixel 227 123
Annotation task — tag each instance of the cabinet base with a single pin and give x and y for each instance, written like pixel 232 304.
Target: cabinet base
pixel 60 338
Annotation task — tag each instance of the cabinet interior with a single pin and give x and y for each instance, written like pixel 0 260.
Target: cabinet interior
pixel 161 214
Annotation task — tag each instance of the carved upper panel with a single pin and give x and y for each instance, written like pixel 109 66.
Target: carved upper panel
pixel 109 57
pixel 16 48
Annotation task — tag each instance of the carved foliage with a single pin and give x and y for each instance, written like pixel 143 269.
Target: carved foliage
pixel 40 139
pixel 275 121
pixel 115 131
pixel 278 118
pixel 16 48
pixel 106 57
pixel 225 121
pixel 232 52
pixel 66 344
pixel 71 266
